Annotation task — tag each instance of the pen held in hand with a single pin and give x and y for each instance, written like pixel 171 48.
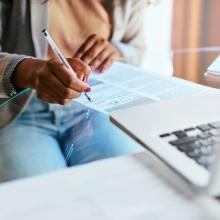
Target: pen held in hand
pixel 60 56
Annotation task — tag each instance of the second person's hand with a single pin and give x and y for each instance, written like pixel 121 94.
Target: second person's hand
pixel 98 53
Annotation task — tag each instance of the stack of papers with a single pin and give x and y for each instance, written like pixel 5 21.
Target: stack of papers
pixel 214 68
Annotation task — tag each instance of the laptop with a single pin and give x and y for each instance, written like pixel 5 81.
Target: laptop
pixel 184 134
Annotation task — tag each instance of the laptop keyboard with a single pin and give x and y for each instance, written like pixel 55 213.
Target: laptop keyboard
pixel 199 143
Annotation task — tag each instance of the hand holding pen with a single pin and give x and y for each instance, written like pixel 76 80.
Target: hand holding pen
pixel 51 79
pixel 63 60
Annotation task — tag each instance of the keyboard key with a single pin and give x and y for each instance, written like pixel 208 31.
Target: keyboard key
pixel 206 142
pixel 165 135
pixel 189 147
pixel 167 139
pixel 194 154
pixel 215 140
pixel 215 124
pixel 203 135
pixel 204 127
pixel 215 132
pixel 205 160
pixel 206 150
pixel 189 129
pixel 184 140
pixel 194 132
pixel 180 134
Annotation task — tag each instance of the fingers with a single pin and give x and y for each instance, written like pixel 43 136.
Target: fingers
pixel 94 51
pixel 46 94
pixel 107 63
pixel 90 41
pixel 47 99
pixel 96 63
pixel 98 53
pixel 57 87
pixel 55 84
pixel 68 80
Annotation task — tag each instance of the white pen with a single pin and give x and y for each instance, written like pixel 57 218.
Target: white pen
pixel 59 55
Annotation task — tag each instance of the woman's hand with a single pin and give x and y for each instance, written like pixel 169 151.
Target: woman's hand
pixel 52 80
pixel 98 53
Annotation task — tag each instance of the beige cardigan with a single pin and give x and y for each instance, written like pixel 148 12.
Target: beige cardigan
pixel 21 23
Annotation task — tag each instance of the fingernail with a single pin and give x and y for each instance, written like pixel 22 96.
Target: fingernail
pixel 85 79
pixel 102 69
pixel 88 89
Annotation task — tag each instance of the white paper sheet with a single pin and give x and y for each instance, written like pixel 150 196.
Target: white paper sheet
pixel 122 188
pixel 214 68
pixel 125 85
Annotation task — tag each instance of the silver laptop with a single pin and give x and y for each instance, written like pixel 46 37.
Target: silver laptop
pixel 184 134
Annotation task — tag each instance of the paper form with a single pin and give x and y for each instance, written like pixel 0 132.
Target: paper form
pixel 125 85
pixel 121 188
pixel 214 68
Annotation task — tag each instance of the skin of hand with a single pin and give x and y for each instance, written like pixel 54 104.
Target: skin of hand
pixel 98 53
pixel 51 79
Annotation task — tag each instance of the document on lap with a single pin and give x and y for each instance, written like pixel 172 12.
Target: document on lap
pixel 124 85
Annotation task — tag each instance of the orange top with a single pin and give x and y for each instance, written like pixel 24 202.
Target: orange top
pixel 72 21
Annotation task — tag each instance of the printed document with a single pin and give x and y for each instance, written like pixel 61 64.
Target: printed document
pixel 124 85
pixel 214 68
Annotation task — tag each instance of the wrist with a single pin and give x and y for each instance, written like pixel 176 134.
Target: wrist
pixel 118 53
pixel 25 73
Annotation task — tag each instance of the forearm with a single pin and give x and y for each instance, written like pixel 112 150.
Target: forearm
pixel 131 54
pixel 133 43
pixel 128 50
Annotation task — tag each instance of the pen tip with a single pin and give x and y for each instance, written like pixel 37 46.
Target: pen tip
pixel 87 96
pixel 44 31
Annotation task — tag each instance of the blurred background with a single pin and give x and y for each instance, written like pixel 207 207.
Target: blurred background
pixel 182 25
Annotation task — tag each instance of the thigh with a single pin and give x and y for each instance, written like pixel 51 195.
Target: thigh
pixel 27 150
pixel 94 137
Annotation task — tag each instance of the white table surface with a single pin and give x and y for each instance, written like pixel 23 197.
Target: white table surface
pixel 128 187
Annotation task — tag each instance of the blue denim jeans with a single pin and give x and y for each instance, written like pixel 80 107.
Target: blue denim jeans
pixel 47 137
